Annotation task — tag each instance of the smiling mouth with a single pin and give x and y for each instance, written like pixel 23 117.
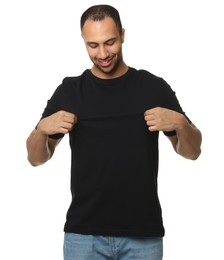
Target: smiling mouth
pixel 105 63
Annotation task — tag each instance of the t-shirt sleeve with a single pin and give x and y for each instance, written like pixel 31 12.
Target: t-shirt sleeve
pixel 56 103
pixel 172 102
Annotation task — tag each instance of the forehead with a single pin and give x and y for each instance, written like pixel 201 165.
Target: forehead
pixel 97 31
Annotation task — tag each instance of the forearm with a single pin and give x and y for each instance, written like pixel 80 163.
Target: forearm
pixel 188 140
pixel 38 148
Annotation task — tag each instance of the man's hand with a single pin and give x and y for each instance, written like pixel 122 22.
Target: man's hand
pixel 59 122
pixel 163 119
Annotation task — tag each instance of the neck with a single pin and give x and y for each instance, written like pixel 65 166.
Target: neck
pixel 123 68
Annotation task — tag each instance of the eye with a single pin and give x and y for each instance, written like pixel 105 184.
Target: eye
pixel 92 45
pixel 110 42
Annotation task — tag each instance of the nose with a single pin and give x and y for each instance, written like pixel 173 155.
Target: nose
pixel 103 53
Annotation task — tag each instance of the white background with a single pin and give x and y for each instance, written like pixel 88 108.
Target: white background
pixel 181 41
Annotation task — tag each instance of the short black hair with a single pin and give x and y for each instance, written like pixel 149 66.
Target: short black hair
pixel 99 12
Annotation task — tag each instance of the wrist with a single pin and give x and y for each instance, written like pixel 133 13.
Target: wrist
pixel 181 122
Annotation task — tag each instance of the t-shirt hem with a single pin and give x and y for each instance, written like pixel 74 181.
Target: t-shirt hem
pixel 119 233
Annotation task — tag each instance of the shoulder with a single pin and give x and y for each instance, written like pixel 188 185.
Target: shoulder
pixel 74 79
pixel 146 75
pixel 150 76
pixel 69 84
pixel 149 79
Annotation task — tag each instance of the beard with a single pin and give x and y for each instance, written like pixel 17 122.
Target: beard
pixel 116 61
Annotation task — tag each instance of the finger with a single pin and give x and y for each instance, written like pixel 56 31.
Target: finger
pixel 70 118
pixel 67 125
pixel 150 118
pixel 150 111
pixel 147 112
pixel 65 129
pixel 152 128
pixel 150 122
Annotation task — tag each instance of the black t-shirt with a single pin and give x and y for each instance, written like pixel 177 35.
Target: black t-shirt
pixel 114 157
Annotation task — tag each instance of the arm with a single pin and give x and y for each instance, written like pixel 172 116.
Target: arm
pixel 187 141
pixel 40 146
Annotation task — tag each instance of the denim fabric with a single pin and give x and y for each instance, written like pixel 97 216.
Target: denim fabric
pixel 88 247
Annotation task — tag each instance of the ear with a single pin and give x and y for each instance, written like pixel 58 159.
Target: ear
pixel 122 35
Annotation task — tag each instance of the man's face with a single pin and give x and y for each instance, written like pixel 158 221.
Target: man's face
pixel 104 46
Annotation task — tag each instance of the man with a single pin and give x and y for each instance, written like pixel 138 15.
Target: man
pixel 113 114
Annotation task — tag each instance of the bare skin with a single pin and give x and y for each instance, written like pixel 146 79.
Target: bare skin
pixel 104 45
pixel 39 145
pixel 187 140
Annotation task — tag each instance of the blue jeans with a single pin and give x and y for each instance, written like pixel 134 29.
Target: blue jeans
pixel 88 247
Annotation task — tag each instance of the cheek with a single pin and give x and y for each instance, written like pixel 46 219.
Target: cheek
pixel 114 50
pixel 118 47
pixel 92 53
pixel 89 50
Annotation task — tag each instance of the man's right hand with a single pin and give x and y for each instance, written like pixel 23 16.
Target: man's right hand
pixel 59 122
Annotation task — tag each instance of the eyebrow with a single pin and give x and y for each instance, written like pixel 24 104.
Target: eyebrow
pixel 111 39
